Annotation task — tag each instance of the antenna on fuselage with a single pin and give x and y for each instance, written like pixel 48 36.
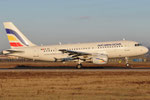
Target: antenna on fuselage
pixel 59 43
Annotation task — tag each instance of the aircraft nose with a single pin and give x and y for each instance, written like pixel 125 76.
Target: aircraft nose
pixel 145 50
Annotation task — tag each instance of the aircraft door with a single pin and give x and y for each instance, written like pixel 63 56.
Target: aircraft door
pixel 35 53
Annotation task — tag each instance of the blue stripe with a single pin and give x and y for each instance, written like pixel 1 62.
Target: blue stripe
pixel 9 31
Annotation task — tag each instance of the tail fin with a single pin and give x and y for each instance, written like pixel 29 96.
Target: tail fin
pixel 15 37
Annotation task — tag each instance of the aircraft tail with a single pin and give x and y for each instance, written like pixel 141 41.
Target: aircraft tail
pixel 15 37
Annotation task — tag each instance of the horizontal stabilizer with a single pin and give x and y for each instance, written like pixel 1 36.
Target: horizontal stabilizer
pixel 9 51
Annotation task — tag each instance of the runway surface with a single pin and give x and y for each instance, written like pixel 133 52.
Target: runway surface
pixel 75 70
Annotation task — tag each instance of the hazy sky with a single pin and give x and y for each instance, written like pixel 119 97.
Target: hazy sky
pixel 73 21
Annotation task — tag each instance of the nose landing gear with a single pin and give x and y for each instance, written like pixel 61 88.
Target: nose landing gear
pixel 127 62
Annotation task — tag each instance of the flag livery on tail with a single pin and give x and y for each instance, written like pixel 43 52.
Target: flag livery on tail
pixel 15 37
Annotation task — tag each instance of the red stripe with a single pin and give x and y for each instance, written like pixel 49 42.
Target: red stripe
pixel 14 44
pixel 19 45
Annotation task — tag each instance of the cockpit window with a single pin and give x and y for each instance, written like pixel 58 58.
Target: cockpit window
pixel 138 44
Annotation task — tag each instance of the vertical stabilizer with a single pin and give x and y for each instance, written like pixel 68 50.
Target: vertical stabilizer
pixel 15 37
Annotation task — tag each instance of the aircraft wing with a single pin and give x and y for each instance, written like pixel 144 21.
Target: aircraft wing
pixel 74 53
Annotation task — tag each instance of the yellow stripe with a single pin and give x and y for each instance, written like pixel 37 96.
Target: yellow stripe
pixel 12 38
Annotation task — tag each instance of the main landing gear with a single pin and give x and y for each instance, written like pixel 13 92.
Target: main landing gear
pixel 79 65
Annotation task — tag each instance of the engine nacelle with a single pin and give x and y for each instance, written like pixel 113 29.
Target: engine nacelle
pixel 100 59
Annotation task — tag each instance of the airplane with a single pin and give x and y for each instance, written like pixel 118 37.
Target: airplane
pixel 96 52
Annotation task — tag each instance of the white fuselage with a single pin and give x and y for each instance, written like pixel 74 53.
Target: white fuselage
pixel 112 49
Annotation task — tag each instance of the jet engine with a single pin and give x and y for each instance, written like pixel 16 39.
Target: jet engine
pixel 100 59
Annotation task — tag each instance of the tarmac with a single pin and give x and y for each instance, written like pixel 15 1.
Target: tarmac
pixel 77 70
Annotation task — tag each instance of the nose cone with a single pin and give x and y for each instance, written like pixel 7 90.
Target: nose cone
pixel 144 50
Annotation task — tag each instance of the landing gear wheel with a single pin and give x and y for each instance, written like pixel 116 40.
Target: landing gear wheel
pixel 79 66
pixel 128 65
